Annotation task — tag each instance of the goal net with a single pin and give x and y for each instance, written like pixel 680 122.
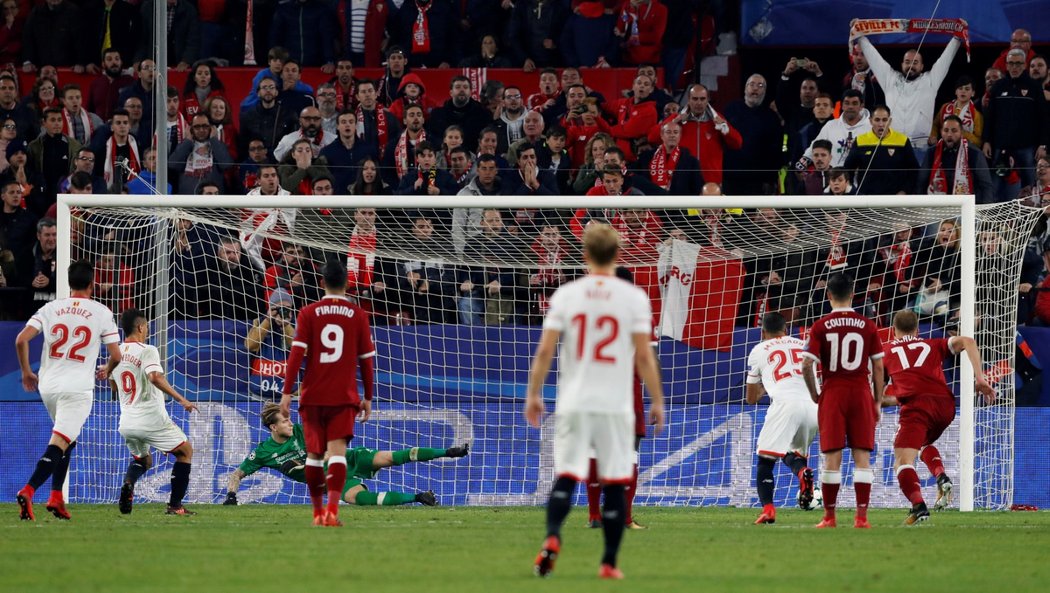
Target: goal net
pixel 457 289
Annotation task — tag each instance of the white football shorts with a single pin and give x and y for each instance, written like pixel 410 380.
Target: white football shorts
pixel 607 437
pixel 790 426
pixel 69 412
pixel 164 438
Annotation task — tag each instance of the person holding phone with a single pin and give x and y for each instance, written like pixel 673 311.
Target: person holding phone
pixel 268 341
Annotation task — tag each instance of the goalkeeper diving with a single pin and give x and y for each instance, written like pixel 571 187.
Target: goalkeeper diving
pixel 285 451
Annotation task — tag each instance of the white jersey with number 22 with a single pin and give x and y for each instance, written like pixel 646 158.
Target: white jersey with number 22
pixel 597 316
pixel 73 330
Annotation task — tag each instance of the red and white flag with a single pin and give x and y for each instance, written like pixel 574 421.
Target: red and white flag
pixel 701 289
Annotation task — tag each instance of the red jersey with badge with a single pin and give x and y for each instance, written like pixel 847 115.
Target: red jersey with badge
pixel 334 333
pixel 916 368
pixel 844 342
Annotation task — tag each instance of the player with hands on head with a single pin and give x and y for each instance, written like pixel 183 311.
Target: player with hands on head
pixel 775 368
pixel 73 328
pixel 605 324
pixel 285 451
pixel 916 369
pixel 333 337
pixel 845 343
pixel 140 386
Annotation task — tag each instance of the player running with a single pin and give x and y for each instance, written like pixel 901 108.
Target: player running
pixel 607 325
pixel 73 329
pixel 775 368
pixel 844 342
pixel 916 369
pixel 140 386
pixel 333 336
pixel 285 451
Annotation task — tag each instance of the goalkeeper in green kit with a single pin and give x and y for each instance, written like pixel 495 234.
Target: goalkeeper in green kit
pixel 285 451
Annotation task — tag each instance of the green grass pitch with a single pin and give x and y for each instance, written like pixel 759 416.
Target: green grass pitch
pixel 258 548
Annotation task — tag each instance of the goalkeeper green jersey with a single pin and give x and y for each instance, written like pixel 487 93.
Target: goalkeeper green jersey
pixel 274 455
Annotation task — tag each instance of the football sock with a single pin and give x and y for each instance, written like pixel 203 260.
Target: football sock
pixel 829 484
pixel 61 468
pixel 385 499
pixel 862 479
pixel 764 480
pixel 629 493
pixel 932 458
pixel 613 515
pixel 594 493
pixel 45 466
pixel 180 481
pixel 796 462
pixel 909 482
pixel 559 504
pixel 416 454
pixel 315 483
pixel 335 479
pixel 136 468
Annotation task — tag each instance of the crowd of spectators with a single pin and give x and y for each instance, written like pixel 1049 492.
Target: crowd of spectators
pixel 873 130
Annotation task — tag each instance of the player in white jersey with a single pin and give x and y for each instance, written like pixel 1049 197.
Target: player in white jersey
pixel 73 328
pixel 140 386
pixel 775 368
pixel 605 324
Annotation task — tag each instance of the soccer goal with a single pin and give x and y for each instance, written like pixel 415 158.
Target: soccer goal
pixel 457 288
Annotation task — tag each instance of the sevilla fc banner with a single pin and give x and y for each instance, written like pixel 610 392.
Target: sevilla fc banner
pixel 785 22
pixel 701 294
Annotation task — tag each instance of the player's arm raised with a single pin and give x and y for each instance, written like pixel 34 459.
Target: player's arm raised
pixel 809 374
pixel 969 345
pixel 160 382
pixel 648 369
pixel 541 367
pixel 29 378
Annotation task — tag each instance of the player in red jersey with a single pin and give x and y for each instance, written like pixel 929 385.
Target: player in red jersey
pixel 594 487
pixel 916 369
pixel 843 342
pixel 334 337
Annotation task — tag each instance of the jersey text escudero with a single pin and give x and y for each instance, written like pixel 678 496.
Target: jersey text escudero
pixel 141 404
pixel 844 343
pixel 777 364
pixel 335 334
pixel 916 367
pixel 73 330
pixel 597 316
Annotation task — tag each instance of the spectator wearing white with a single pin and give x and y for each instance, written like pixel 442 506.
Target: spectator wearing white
pixel 309 129
pixel 841 132
pixel 326 104
pixel 911 93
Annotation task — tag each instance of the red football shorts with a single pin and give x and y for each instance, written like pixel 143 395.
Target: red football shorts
pixel 845 418
pixel 326 423
pixel 922 420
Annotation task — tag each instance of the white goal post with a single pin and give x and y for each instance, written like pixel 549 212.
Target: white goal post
pixel 980 483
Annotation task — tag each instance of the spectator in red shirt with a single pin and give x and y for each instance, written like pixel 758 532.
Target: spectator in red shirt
pixel 11 33
pixel 1019 39
pixel 641 26
pixel 635 116
pixel 705 132
pixel 203 85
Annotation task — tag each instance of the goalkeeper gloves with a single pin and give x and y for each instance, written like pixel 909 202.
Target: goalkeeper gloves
pixel 293 465
pixel 231 499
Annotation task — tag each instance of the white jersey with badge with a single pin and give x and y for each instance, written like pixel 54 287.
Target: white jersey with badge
pixel 777 365
pixel 141 404
pixel 73 330
pixel 597 316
